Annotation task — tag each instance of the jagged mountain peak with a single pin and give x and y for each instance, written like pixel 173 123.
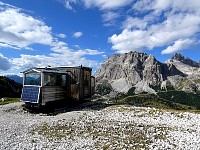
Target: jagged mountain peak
pixel 179 57
pixel 184 64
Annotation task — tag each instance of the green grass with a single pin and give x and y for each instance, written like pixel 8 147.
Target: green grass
pixel 197 81
pixel 175 100
pixel 183 98
pixel 9 100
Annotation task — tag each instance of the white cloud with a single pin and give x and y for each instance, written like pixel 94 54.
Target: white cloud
pixel 77 34
pixel 64 57
pixel 171 24
pixel 61 35
pixel 4 63
pixel 20 30
pixel 178 45
pixel 106 4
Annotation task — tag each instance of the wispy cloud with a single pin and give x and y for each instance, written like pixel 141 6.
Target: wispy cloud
pixel 69 4
pixel 77 34
pixel 109 18
pixel 61 35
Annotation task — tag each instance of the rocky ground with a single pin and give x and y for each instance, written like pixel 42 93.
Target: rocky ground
pixel 105 127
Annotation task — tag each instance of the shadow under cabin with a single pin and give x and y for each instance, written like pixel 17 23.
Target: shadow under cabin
pixel 57 85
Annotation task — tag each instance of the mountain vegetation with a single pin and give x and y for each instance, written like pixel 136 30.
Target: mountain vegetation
pixel 9 88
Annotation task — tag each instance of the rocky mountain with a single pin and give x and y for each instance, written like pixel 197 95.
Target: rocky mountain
pixel 140 72
pixel 9 88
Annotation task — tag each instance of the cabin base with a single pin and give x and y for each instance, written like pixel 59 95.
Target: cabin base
pixel 53 106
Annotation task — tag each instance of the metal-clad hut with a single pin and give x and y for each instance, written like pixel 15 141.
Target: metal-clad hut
pixel 42 86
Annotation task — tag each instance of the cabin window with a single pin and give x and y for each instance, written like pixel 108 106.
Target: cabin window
pixel 54 80
pixel 64 82
pixel 32 79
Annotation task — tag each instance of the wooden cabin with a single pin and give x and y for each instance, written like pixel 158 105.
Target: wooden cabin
pixel 42 86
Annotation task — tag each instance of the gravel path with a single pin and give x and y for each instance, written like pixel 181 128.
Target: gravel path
pixel 114 127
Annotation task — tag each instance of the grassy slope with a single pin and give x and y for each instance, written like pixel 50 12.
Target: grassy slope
pixel 9 100
pixel 177 100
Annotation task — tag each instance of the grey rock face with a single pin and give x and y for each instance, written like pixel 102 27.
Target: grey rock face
pixel 123 71
pixel 128 66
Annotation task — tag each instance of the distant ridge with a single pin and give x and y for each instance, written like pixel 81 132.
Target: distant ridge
pixel 16 78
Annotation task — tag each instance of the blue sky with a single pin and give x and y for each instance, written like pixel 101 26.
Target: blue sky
pixel 39 33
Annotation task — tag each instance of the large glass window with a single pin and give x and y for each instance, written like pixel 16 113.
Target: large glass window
pixel 32 79
pixel 54 80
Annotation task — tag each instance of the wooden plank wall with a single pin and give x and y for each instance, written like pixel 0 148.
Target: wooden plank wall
pixel 53 93
pixel 76 82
